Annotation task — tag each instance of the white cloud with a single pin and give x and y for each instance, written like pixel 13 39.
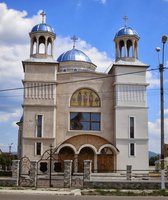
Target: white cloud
pixel 11 70
pixel 14 25
pixel 166 111
pixel 14 125
pixel 154 134
pixel 14 45
pixel 7 116
pixel 152 79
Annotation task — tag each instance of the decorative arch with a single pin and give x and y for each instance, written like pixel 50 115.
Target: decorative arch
pixel 41 44
pixel 89 146
pixel 129 48
pixel 121 48
pixel 108 146
pixel 66 145
pixel 85 97
pixel 86 153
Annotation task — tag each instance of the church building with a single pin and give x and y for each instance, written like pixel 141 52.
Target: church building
pixel 82 113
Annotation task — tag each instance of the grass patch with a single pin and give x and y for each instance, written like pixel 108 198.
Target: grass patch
pixel 112 192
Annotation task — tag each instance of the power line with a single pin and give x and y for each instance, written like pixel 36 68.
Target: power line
pixel 81 80
pixel 150 92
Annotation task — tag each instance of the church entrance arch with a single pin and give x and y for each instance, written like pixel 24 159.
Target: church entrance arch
pixel 89 147
pixel 86 153
pixel 65 153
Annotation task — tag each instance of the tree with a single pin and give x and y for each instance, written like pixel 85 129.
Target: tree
pixel 152 160
pixel 6 160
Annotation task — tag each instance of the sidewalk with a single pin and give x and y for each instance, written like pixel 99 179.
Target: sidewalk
pixel 87 192
pixel 56 191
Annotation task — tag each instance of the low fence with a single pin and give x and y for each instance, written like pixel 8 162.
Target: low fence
pixel 119 179
pixel 128 175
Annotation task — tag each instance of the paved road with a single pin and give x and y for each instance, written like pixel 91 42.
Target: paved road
pixel 26 196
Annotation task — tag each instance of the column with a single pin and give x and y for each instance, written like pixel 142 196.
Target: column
pixel 125 48
pixel 129 171
pixel 136 50
pixel 37 45
pixel 52 41
pixel 87 170
pixel 67 173
pixel 33 173
pixel 95 163
pixel 133 48
pixel 116 49
pixel 15 171
pixel 46 45
pixel 76 163
pixel 31 47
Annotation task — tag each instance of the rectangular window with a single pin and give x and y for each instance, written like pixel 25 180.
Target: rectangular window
pixel 38 148
pixel 132 127
pixel 132 149
pixel 85 121
pixel 39 125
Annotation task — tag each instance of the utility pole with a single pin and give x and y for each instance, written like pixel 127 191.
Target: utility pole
pixel 161 69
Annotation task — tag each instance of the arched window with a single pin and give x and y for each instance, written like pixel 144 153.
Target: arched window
pixel 121 48
pixel 129 48
pixel 42 45
pixel 34 45
pixel 85 97
pixel 85 121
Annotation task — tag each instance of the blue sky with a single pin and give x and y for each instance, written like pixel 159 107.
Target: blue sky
pixel 95 22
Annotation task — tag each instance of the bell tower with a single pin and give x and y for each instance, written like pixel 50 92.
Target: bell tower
pixel 130 104
pixel 39 105
pixel 42 38
pixel 126 43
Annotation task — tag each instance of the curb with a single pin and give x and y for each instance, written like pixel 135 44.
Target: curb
pixel 75 192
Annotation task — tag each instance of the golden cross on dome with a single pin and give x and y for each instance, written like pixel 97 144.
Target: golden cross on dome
pixel 74 39
pixel 125 18
pixel 43 14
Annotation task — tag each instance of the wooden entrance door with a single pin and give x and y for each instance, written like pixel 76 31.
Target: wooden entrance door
pixel 106 160
pixel 105 163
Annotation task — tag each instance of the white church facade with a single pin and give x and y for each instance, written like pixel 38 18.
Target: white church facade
pixel 82 113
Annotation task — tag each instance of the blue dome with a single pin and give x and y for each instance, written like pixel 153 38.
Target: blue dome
pixel 126 31
pixel 42 27
pixel 73 54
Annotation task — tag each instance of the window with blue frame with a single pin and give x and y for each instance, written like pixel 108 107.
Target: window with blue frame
pixel 85 121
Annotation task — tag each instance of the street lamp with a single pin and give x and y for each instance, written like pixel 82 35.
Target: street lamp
pixel 161 68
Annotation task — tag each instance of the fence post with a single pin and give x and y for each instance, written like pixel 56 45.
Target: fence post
pixel 67 173
pixel 129 172
pixel 87 170
pixel 15 171
pixel 33 173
